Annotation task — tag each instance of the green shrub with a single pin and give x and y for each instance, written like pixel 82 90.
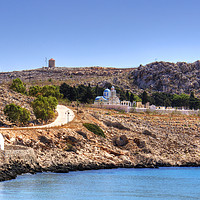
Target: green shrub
pixel 34 90
pixel 17 114
pixel 43 107
pixel 95 129
pixel 18 86
pixel 45 91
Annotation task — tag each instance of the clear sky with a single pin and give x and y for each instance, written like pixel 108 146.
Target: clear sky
pixel 109 33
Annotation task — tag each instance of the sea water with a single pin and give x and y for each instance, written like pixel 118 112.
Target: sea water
pixel 112 184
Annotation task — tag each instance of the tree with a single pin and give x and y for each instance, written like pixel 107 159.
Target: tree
pixel 18 86
pixel 194 103
pixel 192 95
pixel 53 102
pixel 17 114
pixel 25 116
pixel 121 92
pixel 131 97
pixel 161 99
pixel 81 93
pixel 43 107
pixel 35 90
pixel 134 97
pixel 72 94
pixel 184 99
pixel 98 91
pixel 145 97
pixel 51 90
pixel 137 99
pixel 127 95
pixel 68 92
pixel 89 95
pixel 167 103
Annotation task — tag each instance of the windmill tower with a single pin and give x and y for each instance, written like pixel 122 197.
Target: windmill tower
pixel 52 63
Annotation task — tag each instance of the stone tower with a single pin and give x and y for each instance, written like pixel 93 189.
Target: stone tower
pixel 51 63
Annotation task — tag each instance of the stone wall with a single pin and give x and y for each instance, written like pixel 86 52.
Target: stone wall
pixel 17 153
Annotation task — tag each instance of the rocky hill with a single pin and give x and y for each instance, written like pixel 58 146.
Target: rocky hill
pixel 132 140
pixel 72 76
pixel 168 77
pixel 158 76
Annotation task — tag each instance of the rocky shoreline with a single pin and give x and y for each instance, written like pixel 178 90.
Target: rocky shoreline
pixel 18 166
pixel 15 168
pixel 133 140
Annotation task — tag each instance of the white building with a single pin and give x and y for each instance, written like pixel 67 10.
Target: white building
pixel 127 103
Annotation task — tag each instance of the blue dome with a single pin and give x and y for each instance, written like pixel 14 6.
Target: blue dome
pixel 106 93
pixel 97 98
pixel 107 90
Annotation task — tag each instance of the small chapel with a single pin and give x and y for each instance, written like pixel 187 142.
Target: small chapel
pixel 109 98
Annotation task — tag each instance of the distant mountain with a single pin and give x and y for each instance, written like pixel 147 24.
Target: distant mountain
pixel 167 77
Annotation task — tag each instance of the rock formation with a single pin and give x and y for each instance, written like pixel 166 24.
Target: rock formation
pixel 168 77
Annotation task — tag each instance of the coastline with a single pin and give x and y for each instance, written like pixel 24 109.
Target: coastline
pixel 132 141
pixel 28 163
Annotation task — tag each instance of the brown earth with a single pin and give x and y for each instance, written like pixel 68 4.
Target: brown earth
pixel 132 140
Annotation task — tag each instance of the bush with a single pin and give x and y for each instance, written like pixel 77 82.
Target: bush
pixel 25 116
pixel 43 107
pixel 34 90
pixel 45 91
pixel 17 114
pixel 18 86
pixel 51 90
pixel 95 129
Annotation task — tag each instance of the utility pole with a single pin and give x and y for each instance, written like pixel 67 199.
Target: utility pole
pixel 46 61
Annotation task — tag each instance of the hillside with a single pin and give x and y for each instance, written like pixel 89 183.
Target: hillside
pixel 132 140
pixel 8 96
pixel 158 76
pixel 168 77
pixel 72 76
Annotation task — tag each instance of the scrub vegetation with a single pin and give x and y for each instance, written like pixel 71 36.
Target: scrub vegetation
pixel 95 129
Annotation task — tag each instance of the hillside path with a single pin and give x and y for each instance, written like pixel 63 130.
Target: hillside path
pixel 65 115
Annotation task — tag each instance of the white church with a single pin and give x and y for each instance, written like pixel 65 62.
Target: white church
pixel 109 98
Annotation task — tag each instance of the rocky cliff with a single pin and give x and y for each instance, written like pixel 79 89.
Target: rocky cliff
pixel 132 140
pixel 168 77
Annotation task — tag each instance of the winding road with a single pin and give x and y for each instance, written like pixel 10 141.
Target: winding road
pixel 65 115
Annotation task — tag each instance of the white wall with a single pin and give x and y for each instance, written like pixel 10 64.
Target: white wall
pixel 1 142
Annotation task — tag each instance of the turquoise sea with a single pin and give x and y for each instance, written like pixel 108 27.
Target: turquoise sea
pixel 112 184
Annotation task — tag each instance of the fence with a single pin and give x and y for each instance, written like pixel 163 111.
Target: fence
pixel 159 111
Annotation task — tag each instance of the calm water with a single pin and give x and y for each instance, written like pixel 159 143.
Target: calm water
pixel 163 183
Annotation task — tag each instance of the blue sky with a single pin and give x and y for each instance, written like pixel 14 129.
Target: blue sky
pixel 109 33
